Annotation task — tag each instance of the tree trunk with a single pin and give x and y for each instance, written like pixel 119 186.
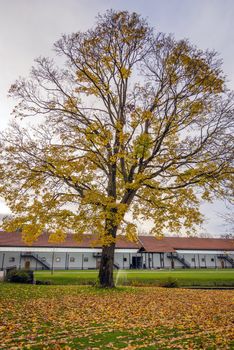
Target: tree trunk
pixel 106 279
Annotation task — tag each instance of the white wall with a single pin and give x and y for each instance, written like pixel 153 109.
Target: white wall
pixel 86 260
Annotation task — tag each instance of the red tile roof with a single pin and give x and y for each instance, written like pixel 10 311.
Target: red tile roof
pixel 196 243
pixel 146 243
pixel 14 239
pixel 155 245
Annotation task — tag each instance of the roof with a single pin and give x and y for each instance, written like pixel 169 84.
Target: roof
pixel 148 244
pixel 14 239
pixel 197 243
pixel 171 244
pixel 155 245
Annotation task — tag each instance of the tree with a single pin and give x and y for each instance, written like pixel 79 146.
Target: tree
pixel 228 222
pixel 135 122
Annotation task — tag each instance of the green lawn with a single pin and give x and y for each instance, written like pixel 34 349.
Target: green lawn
pixel 83 317
pixel 199 277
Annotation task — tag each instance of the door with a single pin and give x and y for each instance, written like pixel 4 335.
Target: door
pixel 27 265
pixel 136 262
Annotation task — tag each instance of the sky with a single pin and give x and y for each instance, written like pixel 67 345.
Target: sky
pixel 28 29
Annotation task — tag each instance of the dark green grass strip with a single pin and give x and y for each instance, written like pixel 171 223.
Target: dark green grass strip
pixel 209 277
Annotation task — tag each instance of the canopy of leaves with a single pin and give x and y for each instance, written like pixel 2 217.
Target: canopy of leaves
pixel 135 122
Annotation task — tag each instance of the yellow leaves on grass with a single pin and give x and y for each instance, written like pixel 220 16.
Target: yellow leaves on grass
pixel 65 317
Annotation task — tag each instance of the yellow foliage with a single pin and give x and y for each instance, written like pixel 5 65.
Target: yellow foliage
pixel 107 146
pixel 125 72
pixel 57 236
pixel 131 232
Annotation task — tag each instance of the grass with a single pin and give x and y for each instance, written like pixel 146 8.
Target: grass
pixel 84 317
pixel 184 278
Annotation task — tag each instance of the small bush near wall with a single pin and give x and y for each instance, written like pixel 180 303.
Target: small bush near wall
pixel 20 276
pixel 44 282
pixel 170 283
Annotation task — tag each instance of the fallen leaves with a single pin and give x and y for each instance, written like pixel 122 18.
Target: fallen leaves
pixel 72 317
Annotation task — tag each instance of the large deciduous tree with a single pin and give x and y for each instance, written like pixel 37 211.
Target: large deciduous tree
pixel 135 121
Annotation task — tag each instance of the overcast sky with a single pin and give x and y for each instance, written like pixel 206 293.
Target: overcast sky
pixel 28 29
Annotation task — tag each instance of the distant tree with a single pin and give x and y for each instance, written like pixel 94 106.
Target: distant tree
pixel 228 219
pixel 228 236
pixel 135 122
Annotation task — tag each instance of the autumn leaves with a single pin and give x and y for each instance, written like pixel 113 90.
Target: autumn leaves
pixel 72 317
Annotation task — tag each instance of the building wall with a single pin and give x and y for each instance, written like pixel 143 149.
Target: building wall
pixel 123 260
pixel 60 261
pixel 6 259
pixel 88 260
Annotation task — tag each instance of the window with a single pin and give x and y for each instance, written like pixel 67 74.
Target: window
pixel 193 259
pixel 58 259
pixel 125 259
pixel 203 259
pixel 12 259
pixel 212 259
pixel 86 259
pixel 72 259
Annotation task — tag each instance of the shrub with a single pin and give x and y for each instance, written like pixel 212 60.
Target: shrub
pixel 47 283
pixel 170 283
pixel 20 276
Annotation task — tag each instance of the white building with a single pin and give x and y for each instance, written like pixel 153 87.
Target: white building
pixel 149 252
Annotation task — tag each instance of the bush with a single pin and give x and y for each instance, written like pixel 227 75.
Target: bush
pixel 170 283
pixel 47 283
pixel 20 276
